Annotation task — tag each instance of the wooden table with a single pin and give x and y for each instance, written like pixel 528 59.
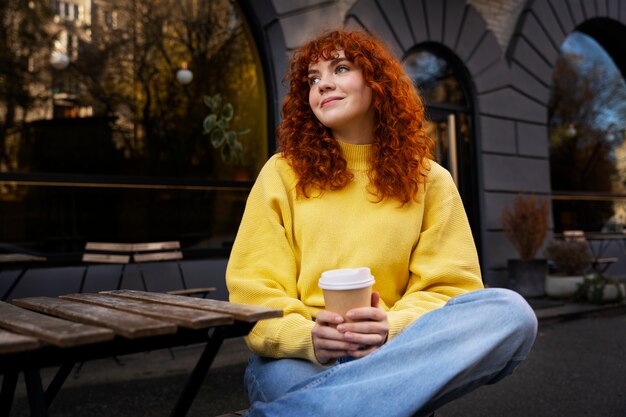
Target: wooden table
pixel 41 332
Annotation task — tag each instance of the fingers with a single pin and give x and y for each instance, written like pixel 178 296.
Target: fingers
pixel 371 336
pixel 328 317
pixel 366 331
pixel 367 313
pixel 328 343
pixel 375 299
pixel 368 327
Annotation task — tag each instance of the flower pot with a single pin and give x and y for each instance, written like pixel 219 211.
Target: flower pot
pixel 562 286
pixel 528 277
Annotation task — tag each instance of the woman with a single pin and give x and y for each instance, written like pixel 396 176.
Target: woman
pixel 354 186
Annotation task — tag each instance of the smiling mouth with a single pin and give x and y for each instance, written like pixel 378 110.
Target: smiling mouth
pixel 330 100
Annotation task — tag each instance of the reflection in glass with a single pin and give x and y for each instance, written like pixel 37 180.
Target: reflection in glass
pixel 137 119
pixel 118 115
pixel 587 122
pixel 435 78
pixel 438 130
pixel 62 219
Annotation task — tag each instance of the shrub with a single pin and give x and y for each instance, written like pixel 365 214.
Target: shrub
pixel 526 225
pixel 592 289
pixel 570 257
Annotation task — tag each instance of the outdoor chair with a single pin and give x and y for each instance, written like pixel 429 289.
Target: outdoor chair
pixel 598 264
pixel 139 254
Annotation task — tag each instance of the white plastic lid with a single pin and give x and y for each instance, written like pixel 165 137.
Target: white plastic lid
pixel 346 279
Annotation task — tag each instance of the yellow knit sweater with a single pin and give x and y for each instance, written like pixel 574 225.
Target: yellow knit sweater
pixel 421 254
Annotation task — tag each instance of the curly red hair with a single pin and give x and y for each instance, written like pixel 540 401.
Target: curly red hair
pixel 401 147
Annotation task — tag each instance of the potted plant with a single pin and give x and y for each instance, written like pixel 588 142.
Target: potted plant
pixel 571 259
pixel 526 226
pixel 600 288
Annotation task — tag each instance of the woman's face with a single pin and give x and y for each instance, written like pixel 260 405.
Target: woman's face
pixel 339 96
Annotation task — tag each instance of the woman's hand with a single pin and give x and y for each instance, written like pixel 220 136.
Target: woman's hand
pixel 328 343
pixel 334 338
pixel 369 328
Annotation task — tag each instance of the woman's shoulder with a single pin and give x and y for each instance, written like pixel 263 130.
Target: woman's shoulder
pixel 277 164
pixel 435 170
pixel 277 169
pixel 438 176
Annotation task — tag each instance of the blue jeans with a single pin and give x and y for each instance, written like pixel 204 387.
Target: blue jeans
pixel 475 339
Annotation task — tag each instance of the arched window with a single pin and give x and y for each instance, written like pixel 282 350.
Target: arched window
pixel 587 128
pixel 443 87
pixel 146 121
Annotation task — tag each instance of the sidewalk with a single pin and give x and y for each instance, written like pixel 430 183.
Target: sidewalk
pixel 551 311
pixel 147 384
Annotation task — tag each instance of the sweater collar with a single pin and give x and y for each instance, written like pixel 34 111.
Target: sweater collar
pixel 358 157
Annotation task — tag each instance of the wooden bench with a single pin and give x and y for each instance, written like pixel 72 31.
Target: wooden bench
pixel 140 253
pixel 40 332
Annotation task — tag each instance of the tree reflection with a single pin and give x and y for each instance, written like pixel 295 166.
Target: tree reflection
pixel 24 41
pixel 590 95
pixel 123 70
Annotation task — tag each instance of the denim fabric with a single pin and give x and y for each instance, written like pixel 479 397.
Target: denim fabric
pixel 475 339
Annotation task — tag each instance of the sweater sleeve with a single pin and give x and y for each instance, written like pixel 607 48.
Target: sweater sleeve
pixel 262 269
pixel 444 263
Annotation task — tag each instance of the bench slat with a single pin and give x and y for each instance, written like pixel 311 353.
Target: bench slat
pixel 106 258
pixel 184 317
pixel 191 291
pixel 158 256
pixel 126 324
pixel 109 247
pixel 241 312
pixel 12 342
pixel 154 246
pixel 20 257
pixel 56 331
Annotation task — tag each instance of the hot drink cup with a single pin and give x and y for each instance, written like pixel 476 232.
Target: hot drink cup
pixel 346 289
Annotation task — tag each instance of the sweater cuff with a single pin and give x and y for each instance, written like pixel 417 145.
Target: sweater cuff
pixel 400 320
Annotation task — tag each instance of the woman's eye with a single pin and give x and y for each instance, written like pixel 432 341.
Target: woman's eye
pixel 313 80
pixel 341 68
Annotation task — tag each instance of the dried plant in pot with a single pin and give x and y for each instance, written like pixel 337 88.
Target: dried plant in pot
pixel 526 226
pixel 571 259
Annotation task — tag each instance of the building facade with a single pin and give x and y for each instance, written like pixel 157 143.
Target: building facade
pixel 504 52
pixel 132 121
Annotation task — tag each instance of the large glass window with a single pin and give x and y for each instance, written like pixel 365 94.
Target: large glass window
pixel 587 128
pixel 127 120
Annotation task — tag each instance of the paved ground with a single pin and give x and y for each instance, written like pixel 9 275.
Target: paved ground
pixel 577 368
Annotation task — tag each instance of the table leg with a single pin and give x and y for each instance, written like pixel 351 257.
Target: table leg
pixel 9 381
pixel 36 397
pixel 57 382
pixel 198 374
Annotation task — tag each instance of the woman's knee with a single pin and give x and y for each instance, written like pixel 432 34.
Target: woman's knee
pixel 515 315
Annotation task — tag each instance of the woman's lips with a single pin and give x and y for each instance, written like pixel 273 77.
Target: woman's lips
pixel 329 100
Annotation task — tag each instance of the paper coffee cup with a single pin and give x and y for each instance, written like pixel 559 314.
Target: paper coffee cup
pixel 347 288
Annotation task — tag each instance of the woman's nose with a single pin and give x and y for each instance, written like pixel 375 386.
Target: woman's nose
pixel 325 83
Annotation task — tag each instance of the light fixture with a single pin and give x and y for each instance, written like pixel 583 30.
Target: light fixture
pixel 59 60
pixel 571 130
pixel 183 75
